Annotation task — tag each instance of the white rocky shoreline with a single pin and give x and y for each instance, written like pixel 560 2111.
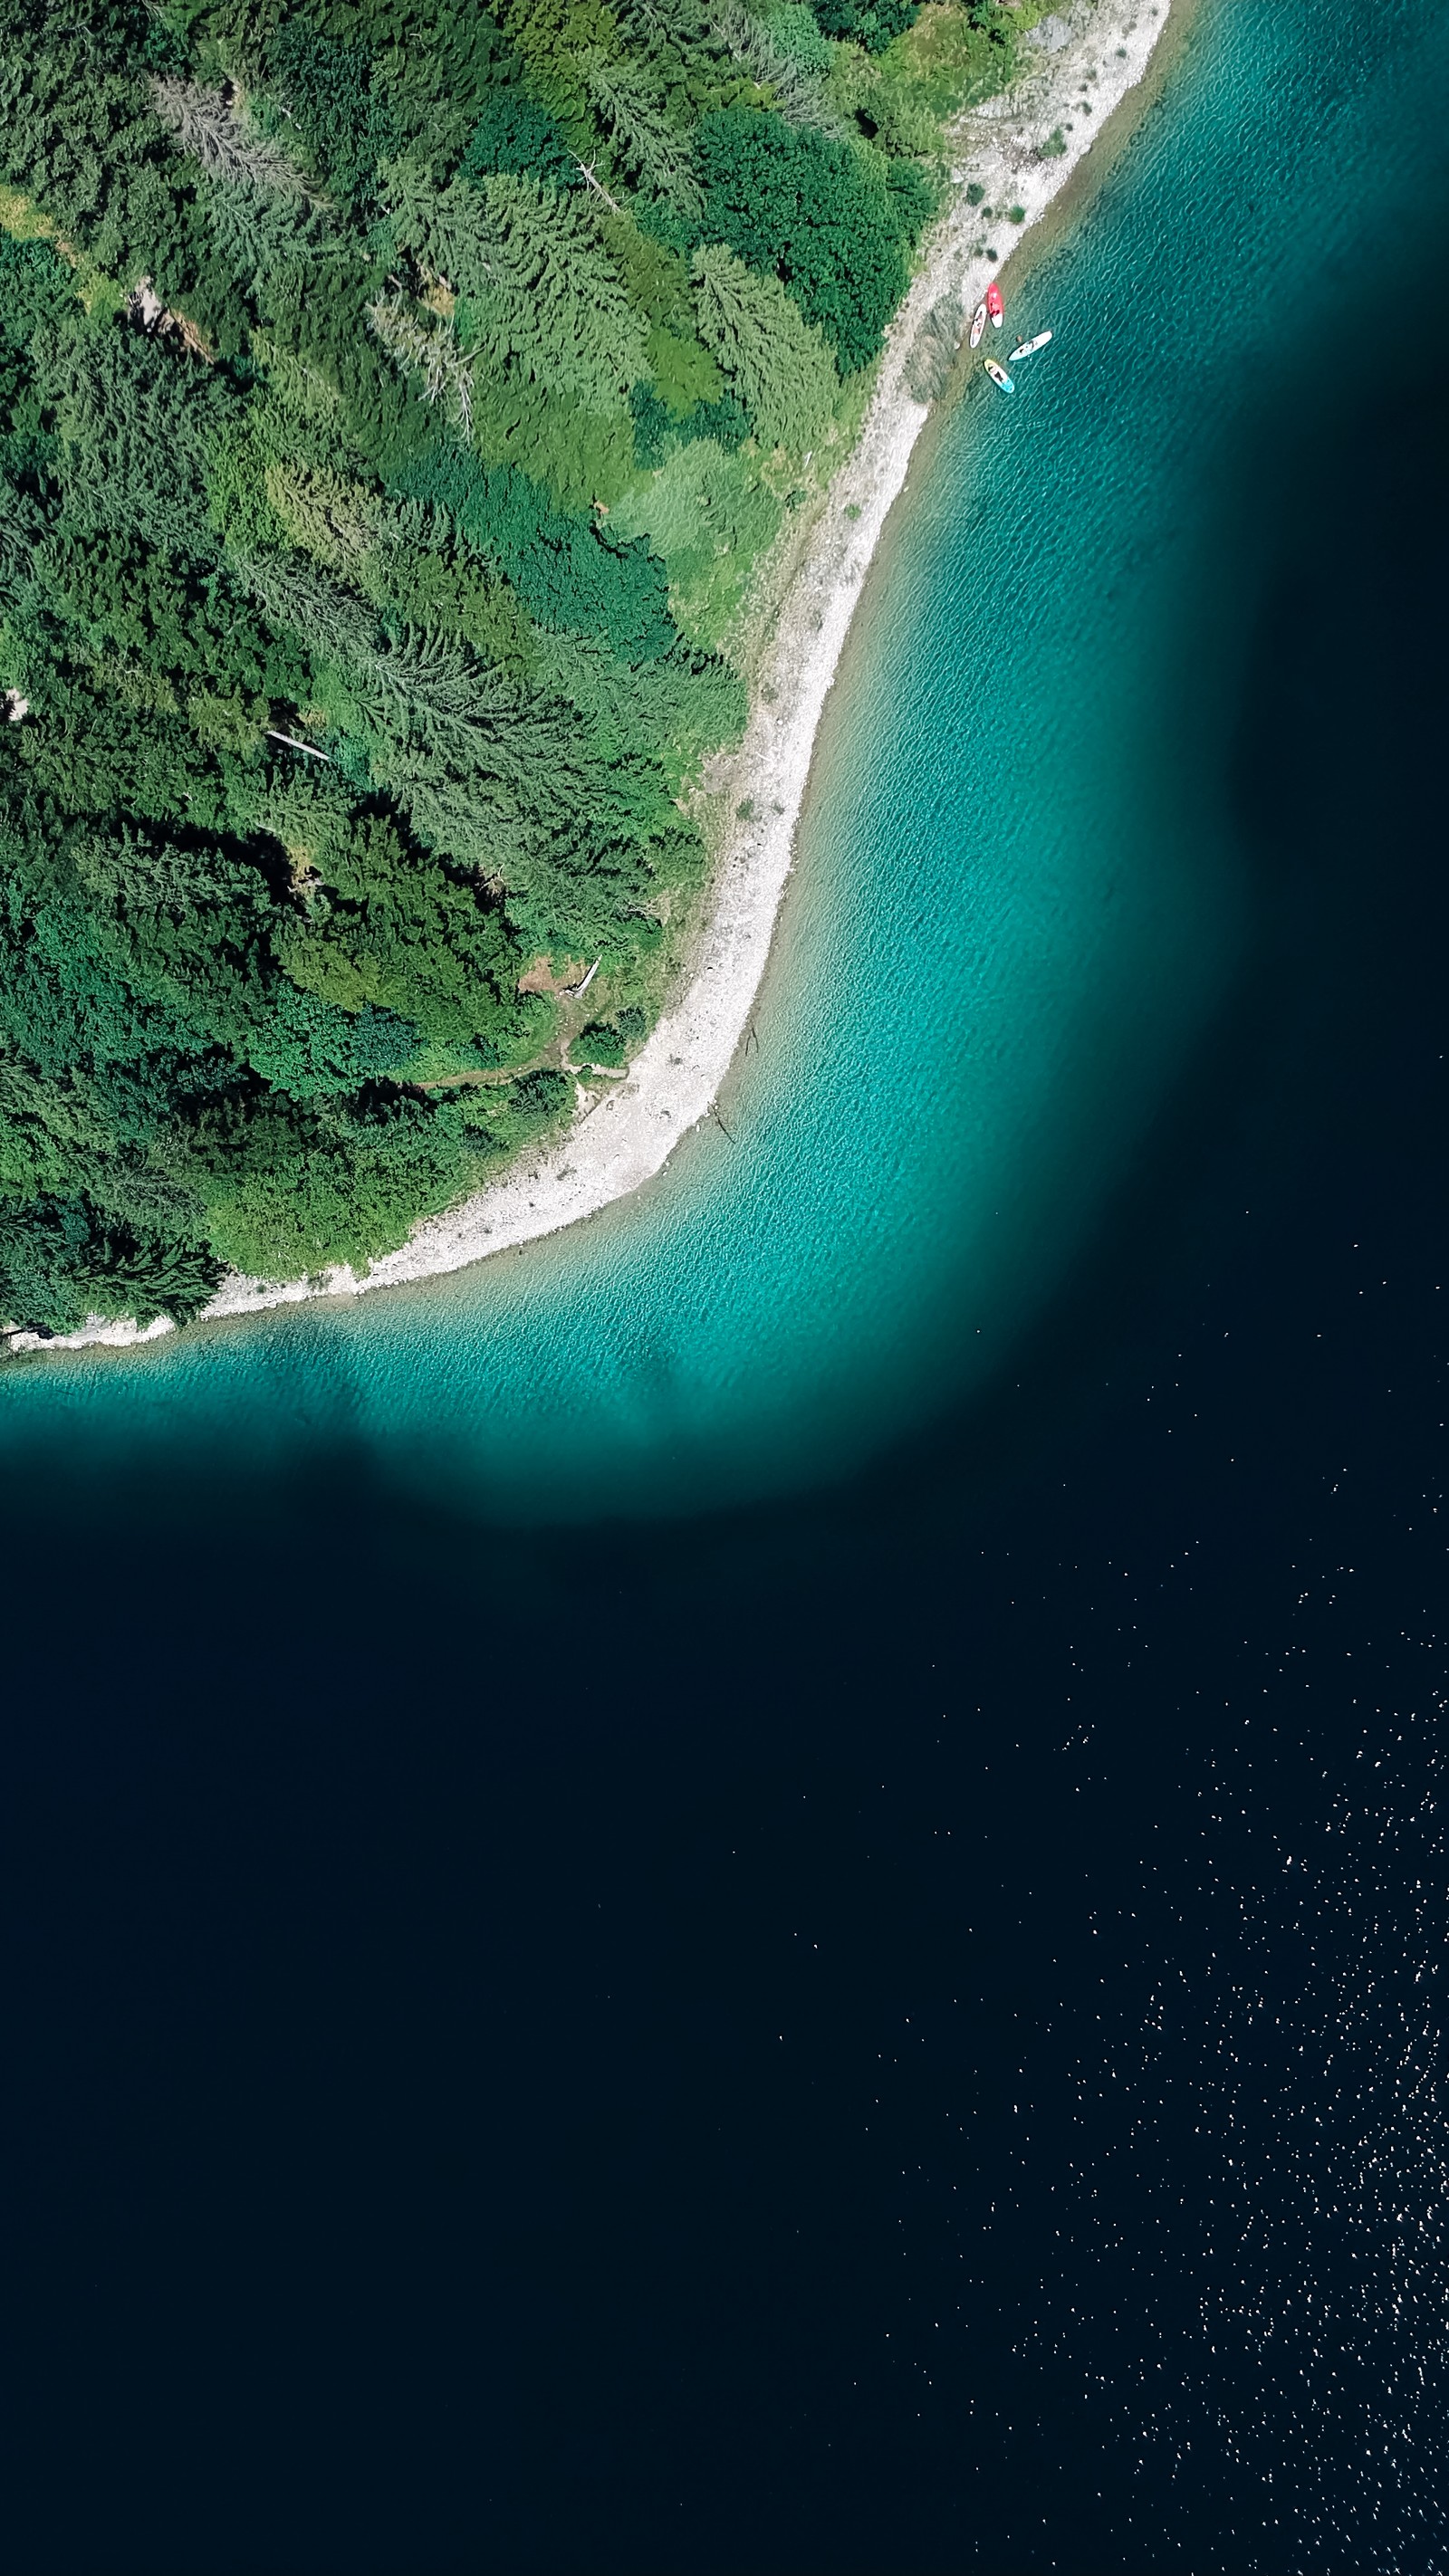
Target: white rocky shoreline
pixel 1095 53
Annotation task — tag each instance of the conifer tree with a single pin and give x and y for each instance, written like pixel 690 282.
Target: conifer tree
pixel 432 683
pixel 799 98
pixel 650 148
pixel 543 297
pixel 330 620
pixel 427 347
pixel 334 522
pixel 211 127
pixel 777 361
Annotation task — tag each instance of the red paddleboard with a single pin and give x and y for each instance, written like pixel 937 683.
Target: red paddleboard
pixel 994 305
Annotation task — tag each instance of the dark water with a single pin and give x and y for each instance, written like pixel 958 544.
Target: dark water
pixel 894 2030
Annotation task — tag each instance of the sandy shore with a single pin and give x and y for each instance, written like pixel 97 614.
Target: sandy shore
pixel 1095 51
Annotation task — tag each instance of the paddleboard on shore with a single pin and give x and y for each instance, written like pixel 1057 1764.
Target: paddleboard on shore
pixel 978 325
pixel 1028 348
pixel 998 375
pixel 994 305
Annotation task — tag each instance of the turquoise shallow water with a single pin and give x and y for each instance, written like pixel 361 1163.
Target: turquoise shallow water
pixel 1021 900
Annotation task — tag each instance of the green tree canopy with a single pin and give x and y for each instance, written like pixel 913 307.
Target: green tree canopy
pixel 791 201
pixel 776 361
pixel 537 290
pixel 871 23
pixel 389 392
pixel 514 132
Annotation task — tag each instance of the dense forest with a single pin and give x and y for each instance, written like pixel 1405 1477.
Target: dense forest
pixel 395 398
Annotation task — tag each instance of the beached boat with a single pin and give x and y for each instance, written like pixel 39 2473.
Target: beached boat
pixel 1028 348
pixel 978 325
pixel 994 305
pixel 998 375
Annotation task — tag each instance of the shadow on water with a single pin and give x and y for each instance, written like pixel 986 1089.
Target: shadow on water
pixel 624 2050
pixel 1338 805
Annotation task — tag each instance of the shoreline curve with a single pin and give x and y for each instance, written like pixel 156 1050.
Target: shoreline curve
pixel 1097 51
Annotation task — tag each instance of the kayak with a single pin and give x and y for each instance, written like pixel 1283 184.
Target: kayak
pixel 1028 348
pixel 978 325
pixel 994 305
pixel 998 375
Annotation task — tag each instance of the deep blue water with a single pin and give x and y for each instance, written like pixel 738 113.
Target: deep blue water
pixel 893 2024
